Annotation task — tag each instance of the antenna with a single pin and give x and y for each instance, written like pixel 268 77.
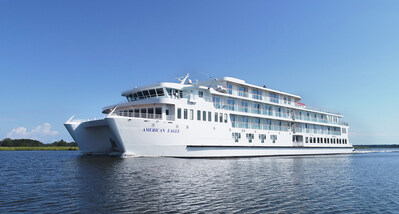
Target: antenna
pixel 182 81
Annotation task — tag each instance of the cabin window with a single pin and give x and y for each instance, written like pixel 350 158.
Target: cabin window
pixel 233 120
pixel 216 117
pixel 167 111
pixel 343 130
pixel 198 115
pixel 216 102
pixel 158 112
pixel 230 87
pixel 204 115
pixel 200 94
pixel 244 122
pixel 262 138
pixel 306 140
pixel 179 113
pixel 136 112
pixel 236 136
pixel 191 114
pixel 225 118
pixel 143 112
pixel 250 137
pixel 242 92
pixel 185 114
pixel 150 113
pixel 273 98
pixel 244 106
pixel 209 116
pixel 273 138
pixel 221 118
pixel 230 104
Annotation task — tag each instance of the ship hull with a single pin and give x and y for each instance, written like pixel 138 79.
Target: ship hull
pixel 126 136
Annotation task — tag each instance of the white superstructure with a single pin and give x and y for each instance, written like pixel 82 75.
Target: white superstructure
pixel 224 117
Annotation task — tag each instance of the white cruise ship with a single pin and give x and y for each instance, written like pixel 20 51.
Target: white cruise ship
pixel 224 117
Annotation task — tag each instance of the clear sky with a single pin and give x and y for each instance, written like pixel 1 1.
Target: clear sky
pixel 60 58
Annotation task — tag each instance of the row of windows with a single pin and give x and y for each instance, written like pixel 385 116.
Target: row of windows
pixel 201 115
pixel 271 110
pixel 249 136
pixel 155 92
pixel 257 94
pixel 325 140
pixel 143 112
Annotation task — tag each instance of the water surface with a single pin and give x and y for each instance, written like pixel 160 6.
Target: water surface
pixel 65 181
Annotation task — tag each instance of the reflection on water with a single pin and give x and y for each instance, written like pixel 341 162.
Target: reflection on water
pixel 68 182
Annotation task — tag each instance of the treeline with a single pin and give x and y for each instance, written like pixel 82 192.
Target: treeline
pixel 7 142
pixel 382 146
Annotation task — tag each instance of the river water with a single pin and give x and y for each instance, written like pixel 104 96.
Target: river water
pixel 65 181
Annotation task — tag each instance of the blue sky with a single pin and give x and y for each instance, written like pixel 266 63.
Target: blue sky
pixel 60 58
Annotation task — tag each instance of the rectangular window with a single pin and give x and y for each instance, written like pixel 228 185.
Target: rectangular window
pixel 242 92
pixel 230 87
pixel 209 116
pixel 273 138
pixel 274 98
pixel 204 115
pixel 307 140
pixel 221 118
pixel 262 138
pixel 216 117
pixel 143 113
pixel 198 115
pixel 160 92
pixel 136 112
pixel 152 93
pixel 236 136
pixel 216 102
pixel 185 114
pixel 200 94
pixel 230 104
pixel 191 114
pixel 233 120
pixel 225 118
pixel 250 137
pixel 244 106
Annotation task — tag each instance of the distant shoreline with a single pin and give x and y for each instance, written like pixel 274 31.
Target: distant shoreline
pixel 48 148
pixel 376 146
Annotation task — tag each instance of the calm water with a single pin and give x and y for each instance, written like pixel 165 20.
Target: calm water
pixel 58 182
